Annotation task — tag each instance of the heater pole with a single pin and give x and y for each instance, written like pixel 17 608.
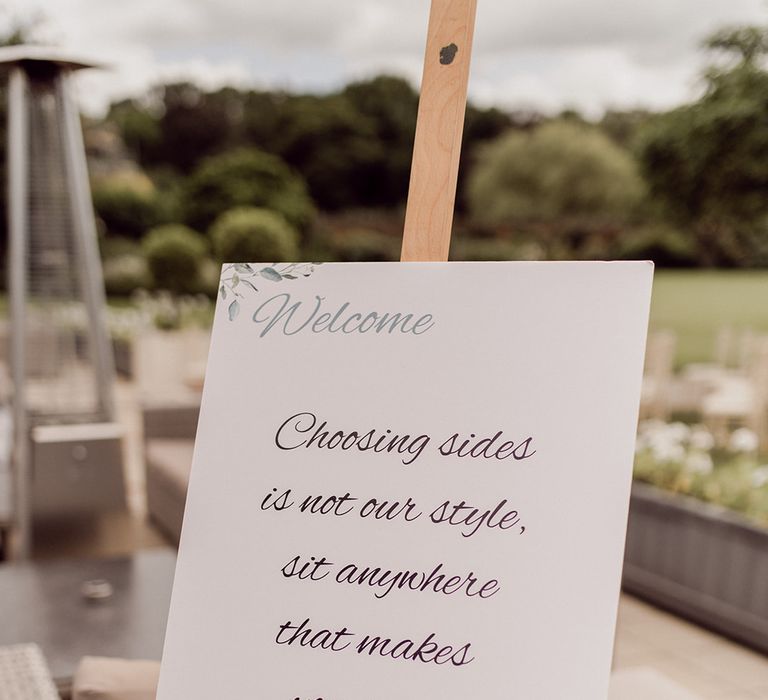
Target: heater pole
pixel 92 278
pixel 18 177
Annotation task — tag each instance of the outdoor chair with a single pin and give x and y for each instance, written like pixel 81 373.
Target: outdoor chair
pixel 740 399
pixel 659 365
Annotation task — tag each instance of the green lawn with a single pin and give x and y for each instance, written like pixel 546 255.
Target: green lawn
pixel 693 303
pixel 697 303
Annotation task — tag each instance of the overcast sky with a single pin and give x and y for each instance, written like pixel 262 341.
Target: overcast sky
pixel 541 54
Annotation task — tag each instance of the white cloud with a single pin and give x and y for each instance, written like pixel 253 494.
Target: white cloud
pixel 131 71
pixel 590 79
pixel 545 54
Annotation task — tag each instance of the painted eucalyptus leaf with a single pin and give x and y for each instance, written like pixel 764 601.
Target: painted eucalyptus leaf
pixel 234 310
pixel 271 274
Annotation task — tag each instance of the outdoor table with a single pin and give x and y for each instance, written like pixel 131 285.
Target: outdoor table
pixel 42 602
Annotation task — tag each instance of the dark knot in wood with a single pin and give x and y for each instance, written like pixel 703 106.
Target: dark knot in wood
pixel 448 53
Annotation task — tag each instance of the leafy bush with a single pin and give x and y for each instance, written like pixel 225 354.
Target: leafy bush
pixel 175 255
pixel 124 274
pixel 250 234
pixel 116 246
pixel 664 245
pixel 246 177
pixel 208 277
pixel 493 249
pixel 128 205
pixel 567 179
pixel 684 459
pixel 362 245
pixel 335 148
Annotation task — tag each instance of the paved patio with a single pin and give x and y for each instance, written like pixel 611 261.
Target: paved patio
pixel 657 656
pixel 686 656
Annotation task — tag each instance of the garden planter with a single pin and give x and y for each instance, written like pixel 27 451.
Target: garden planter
pixel 123 350
pixel 699 561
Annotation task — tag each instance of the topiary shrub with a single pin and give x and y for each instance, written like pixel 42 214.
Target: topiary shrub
pixel 246 177
pixel 250 234
pixel 127 204
pixel 117 246
pixel 175 254
pixel 209 278
pixel 124 274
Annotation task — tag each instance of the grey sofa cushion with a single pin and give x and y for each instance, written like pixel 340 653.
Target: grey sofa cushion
pixel 171 418
pixel 168 465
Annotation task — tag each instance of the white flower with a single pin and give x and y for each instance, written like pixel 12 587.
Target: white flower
pixel 760 477
pixel 666 451
pixel 701 439
pixel 678 431
pixel 743 440
pixel 651 426
pixel 666 444
pixel 699 463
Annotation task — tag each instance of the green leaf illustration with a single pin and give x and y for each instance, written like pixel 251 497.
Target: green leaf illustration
pixel 271 274
pixel 235 280
pixel 223 292
pixel 234 310
pixel 243 267
pixel 250 284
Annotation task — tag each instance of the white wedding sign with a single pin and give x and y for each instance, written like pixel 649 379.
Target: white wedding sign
pixel 410 481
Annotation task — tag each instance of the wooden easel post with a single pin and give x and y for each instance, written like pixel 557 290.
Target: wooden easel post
pixel 439 127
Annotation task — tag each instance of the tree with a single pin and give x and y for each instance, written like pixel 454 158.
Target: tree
pixel 707 162
pixel 390 104
pixel 564 180
pixel 246 177
pixel 140 129
pixel 263 118
pixel 334 147
pixel 624 127
pixel 353 147
pixel 746 44
pixel 180 124
pixel 480 126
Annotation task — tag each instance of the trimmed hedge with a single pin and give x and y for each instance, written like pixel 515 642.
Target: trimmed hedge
pixel 251 234
pixel 175 255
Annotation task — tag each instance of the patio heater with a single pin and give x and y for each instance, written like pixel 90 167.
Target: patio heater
pixel 66 449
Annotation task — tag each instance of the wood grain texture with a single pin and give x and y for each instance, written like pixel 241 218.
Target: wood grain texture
pixel 435 167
